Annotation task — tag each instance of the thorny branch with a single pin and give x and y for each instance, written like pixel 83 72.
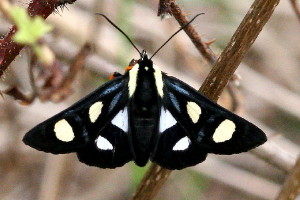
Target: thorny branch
pixel 8 48
pixel 245 35
pixel 201 46
pixel 243 38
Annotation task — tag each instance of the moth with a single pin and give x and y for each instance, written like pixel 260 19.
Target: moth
pixel 144 115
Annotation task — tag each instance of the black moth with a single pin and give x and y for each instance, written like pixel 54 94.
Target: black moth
pixel 141 115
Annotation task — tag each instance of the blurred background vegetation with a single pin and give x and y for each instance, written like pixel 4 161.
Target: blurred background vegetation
pixel 268 94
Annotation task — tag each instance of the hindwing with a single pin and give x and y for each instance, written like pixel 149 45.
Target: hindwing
pixel 174 148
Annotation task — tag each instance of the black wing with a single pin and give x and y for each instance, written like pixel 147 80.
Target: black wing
pixel 174 149
pixel 200 127
pixel 94 127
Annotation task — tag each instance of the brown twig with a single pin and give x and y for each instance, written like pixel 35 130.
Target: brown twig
pixel 17 94
pixel 152 181
pixel 201 46
pixel 291 187
pixel 245 35
pixel 77 64
pixel 8 48
pixel 243 38
pixel 63 89
pixel 296 8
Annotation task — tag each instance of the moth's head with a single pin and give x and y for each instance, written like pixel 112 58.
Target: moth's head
pixel 144 61
pixel 142 64
pixel 144 56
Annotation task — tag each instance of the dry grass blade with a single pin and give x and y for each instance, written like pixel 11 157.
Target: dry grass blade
pixel 245 35
pixel 296 8
pixel 51 185
pixel 5 6
pixel 291 187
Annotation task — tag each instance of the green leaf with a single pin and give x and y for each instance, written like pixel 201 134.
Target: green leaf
pixel 30 29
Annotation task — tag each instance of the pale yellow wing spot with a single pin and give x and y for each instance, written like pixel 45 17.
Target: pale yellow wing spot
pixel 64 131
pixel 194 111
pixel 95 111
pixel 224 131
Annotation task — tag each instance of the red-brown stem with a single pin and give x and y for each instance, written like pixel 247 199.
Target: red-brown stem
pixel 8 48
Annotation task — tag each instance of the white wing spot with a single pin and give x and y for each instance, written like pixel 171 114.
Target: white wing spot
pixel 121 120
pixel 103 144
pixel 158 80
pixel 224 131
pixel 182 144
pixel 95 111
pixel 166 120
pixel 132 79
pixel 63 131
pixel 194 111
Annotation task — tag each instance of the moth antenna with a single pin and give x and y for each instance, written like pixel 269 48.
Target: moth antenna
pixel 114 25
pixel 175 34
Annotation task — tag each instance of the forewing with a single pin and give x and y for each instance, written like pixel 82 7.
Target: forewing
pixel 89 126
pixel 211 127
